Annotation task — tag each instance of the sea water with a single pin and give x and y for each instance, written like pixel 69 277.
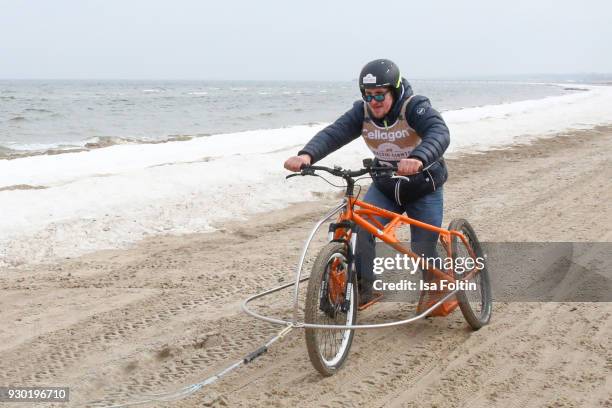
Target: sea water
pixel 135 159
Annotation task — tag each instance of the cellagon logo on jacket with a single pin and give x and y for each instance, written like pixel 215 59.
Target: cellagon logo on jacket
pixel 385 135
pixel 392 143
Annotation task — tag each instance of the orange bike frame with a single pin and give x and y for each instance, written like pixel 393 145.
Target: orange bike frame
pixel 363 214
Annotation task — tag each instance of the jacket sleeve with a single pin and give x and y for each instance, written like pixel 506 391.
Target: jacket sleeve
pixel 344 130
pixel 435 136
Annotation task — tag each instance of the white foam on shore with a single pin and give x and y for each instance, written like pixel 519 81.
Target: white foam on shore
pixel 115 196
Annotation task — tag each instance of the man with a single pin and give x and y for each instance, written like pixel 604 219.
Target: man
pixel 400 129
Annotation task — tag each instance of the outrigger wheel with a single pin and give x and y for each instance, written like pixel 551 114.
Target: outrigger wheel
pixel 328 304
pixel 476 303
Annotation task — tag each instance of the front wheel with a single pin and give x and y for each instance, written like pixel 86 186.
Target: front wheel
pixel 330 300
pixel 475 301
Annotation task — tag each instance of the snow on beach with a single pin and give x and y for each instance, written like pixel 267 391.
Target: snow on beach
pixel 68 204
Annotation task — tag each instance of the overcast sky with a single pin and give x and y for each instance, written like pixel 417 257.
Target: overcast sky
pixel 310 40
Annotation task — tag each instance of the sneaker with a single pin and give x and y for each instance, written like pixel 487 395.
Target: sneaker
pixel 366 295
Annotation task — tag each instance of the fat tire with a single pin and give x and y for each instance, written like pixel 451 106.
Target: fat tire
pixel 312 311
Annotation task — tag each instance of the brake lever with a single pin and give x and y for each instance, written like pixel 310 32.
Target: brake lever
pixel 396 176
pixel 306 171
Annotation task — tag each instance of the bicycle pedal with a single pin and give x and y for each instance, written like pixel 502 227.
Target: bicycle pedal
pixel 377 297
pixel 446 308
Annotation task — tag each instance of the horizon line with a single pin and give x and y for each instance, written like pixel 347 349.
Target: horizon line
pixel 575 75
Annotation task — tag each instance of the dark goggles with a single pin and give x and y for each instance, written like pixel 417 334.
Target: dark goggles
pixel 378 98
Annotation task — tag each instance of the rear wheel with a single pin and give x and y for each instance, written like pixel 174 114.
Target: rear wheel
pixel 328 304
pixel 475 302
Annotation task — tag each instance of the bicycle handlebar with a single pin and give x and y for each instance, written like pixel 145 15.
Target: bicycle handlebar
pixel 344 173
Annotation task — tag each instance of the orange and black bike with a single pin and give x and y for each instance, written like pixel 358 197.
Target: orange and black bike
pixel 332 296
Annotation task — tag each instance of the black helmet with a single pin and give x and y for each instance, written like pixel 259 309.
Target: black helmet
pixel 379 73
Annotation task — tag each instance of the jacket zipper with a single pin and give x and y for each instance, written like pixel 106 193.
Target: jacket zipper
pixel 432 180
pixel 397 188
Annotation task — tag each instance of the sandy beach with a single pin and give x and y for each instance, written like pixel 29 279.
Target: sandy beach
pixel 114 325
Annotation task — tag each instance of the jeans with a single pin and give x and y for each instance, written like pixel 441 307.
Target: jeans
pixel 428 209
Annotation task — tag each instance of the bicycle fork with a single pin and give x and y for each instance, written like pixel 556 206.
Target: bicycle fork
pixel 348 229
pixel 352 272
